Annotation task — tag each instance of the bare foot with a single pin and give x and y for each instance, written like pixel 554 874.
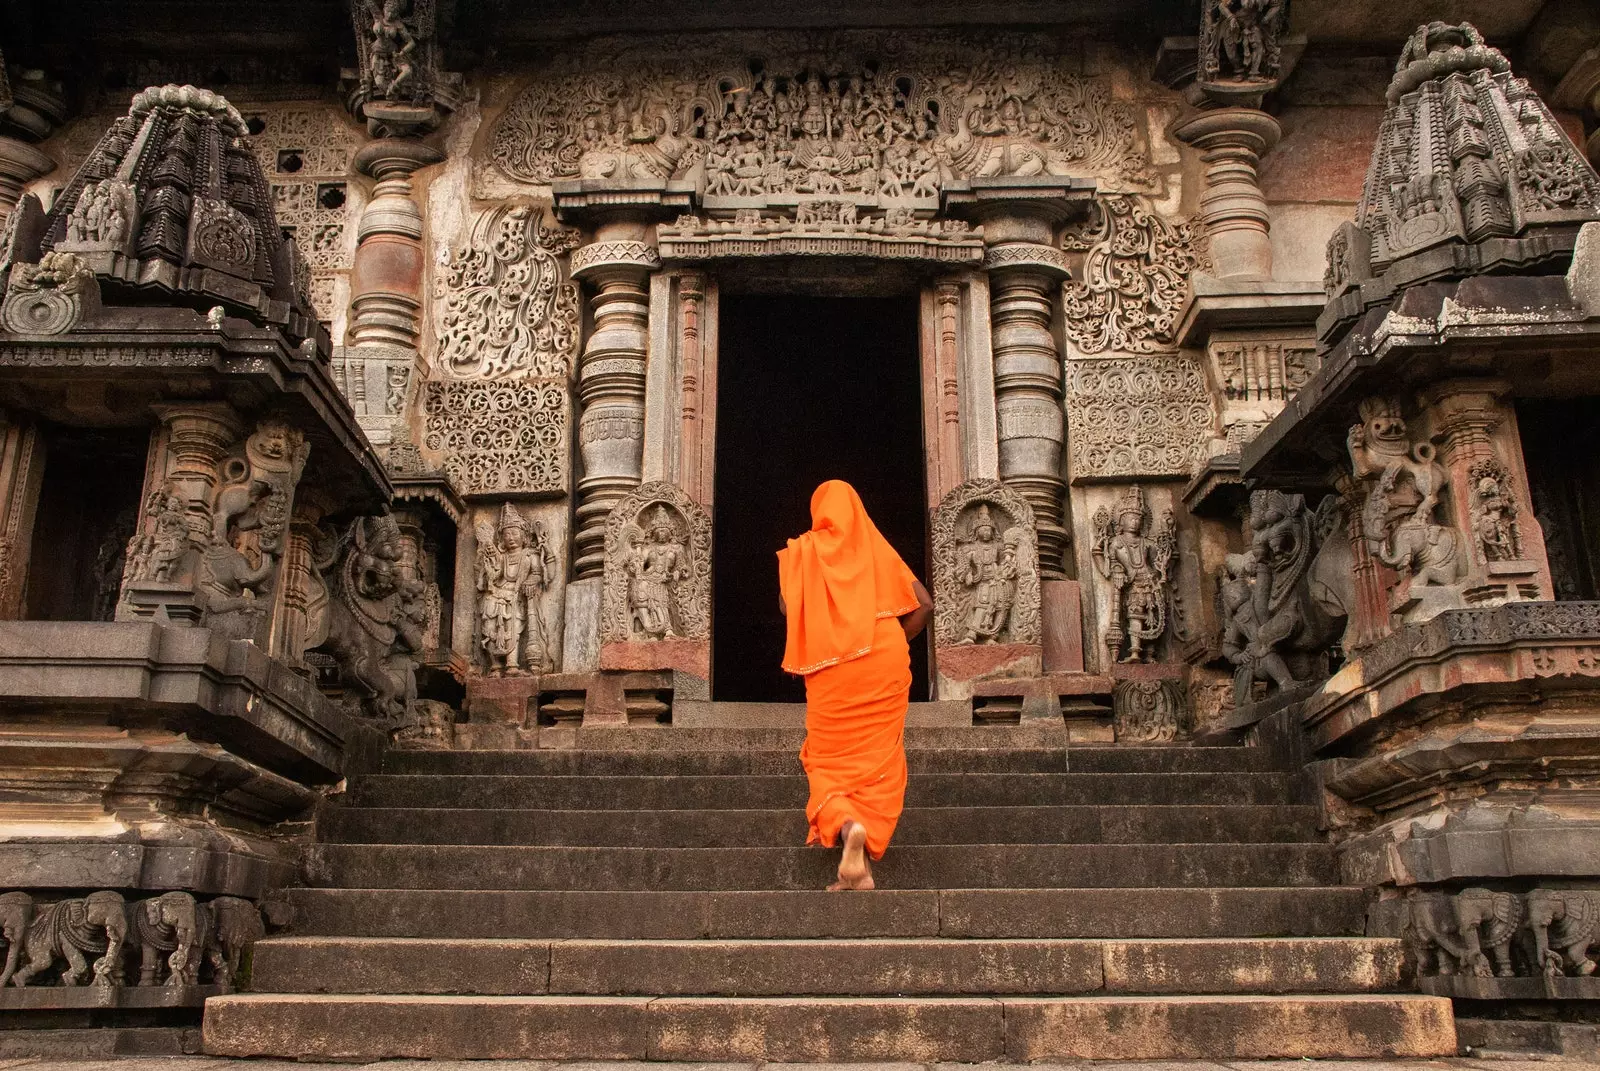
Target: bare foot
pixel 855 873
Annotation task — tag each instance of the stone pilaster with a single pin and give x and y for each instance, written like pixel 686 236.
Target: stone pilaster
pixel 21 469
pixel 1231 142
pixel 611 378
pixel 380 355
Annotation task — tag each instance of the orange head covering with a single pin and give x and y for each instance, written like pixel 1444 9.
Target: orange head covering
pixel 837 580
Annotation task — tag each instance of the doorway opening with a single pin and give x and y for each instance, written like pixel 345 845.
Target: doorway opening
pixel 809 389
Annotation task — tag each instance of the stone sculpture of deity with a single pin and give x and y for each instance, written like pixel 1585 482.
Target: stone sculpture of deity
pixel 988 570
pixel 655 566
pixel 1136 564
pixel 513 574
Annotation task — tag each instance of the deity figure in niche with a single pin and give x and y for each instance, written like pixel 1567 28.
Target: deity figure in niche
pixel 988 568
pixel 1136 565
pixel 512 577
pixel 654 568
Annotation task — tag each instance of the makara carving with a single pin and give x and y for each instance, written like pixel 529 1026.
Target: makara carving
pixel 514 570
pixel 1399 519
pixel 374 617
pixel 1149 711
pixel 986 567
pixel 170 937
pixel 1239 40
pixel 862 116
pixel 1133 552
pixel 499 438
pixel 657 577
pixel 507 307
pixel 48 298
pixel 1134 281
pixel 1137 417
pixel 1278 601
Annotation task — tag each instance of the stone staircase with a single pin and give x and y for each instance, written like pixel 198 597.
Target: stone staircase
pixel 645 896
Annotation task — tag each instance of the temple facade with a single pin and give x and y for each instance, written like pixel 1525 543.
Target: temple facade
pixel 402 401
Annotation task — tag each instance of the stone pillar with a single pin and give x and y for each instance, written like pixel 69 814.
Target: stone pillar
pixel 611 379
pixel 1024 274
pixel 36 108
pixel 1231 142
pixel 1478 442
pixel 186 451
pixel 380 353
pixel 21 473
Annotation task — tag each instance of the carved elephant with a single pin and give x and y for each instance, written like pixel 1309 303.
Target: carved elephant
pixel 235 926
pixel 16 909
pixel 1565 923
pixel 1487 921
pixel 174 925
pixel 68 929
pixel 1432 932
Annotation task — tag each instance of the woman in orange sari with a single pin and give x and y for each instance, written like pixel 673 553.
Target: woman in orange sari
pixel 852 606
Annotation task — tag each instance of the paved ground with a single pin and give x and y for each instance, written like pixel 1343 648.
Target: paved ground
pixel 202 1063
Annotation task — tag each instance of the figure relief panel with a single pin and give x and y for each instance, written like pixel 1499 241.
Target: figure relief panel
pixel 1132 551
pixel 985 567
pixel 518 575
pixel 875 118
pixel 657 578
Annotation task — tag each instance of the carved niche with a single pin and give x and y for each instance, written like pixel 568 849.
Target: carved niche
pixel 657 582
pixel 1137 416
pixel 1134 280
pixel 1149 711
pixel 513 572
pixel 879 118
pixel 1239 40
pixel 1133 553
pixel 985 567
pixel 499 437
pixel 1399 519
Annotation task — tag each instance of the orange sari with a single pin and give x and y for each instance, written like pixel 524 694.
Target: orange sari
pixel 844 588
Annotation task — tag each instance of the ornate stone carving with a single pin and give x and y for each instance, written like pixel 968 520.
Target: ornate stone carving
pixel 507 309
pixel 657 577
pixel 71 931
pixel 822 228
pixel 1399 519
pixel 985 571
pixel 157 551
pixel 306 154
pixel 1135 278
pixel 1467 152
pixel 514 570
pixel 102 219
pixel 1565 923
pixel 257 488
pixel 1266 370
pixel 48 298
pixel 499 438
pixel 1468 933
pixel 867 117
pixel 1277 621
pixel 1239 40
pixel 373 622
pixel 432 727
pixel 1149 416
pixel 1149 711
pixel 1133 552
pixel 1494 512
pixel 170 936
pixel 398 85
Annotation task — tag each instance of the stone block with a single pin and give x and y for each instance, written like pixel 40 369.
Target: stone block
pixel 692 657
pixel 502 699
pixel 1062 609
pixel 1278 965
pixel 959 666
pixel 810 1030
pixel 393 965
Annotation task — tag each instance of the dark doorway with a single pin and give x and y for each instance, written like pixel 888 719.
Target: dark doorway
pixel 1560 442
pixel 809 389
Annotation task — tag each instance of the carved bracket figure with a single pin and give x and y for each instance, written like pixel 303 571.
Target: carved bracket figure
pixel 1134 555
pixel 985 567
pixel 657 579
pixel 1239 40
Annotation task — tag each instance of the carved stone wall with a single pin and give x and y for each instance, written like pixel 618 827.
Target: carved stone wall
pixel 876 118
pixel 657 578
pixel 1134 279
pixel 985 567
pixel 500 437
pixel 1137 416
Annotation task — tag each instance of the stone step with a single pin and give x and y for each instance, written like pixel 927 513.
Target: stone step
pixel 787 762
pixel 787 827
pixel 913 1029
pixel 1045 734
pixel 761 791
pixel 857 967
pixel 996 866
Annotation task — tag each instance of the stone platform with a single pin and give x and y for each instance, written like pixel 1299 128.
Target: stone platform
pixel 645 895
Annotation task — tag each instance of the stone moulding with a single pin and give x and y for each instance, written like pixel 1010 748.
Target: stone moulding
pixel 1542 646
pixel 694 239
